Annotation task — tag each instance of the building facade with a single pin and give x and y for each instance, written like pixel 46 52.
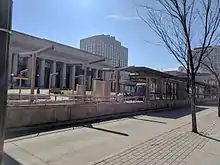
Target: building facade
pixel 64 60
pixel 212 58
pixel 106 46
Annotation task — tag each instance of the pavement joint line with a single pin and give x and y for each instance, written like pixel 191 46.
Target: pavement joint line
pixel 134 147
pixel 31 154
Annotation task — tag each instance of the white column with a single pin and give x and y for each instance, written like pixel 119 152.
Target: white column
pixel 42 72
pixel 72 77
pixel 63 76
pixel 53 70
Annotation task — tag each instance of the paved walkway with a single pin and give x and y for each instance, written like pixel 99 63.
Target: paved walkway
pixel 177 147
pixel 155 134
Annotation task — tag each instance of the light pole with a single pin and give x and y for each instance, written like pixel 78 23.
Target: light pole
pixel 33 55
pixel 5 31
pixel 50 79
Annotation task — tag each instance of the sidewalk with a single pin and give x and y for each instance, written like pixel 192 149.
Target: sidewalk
pixel 177 147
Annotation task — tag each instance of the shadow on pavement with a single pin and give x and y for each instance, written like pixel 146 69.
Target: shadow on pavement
pixel 105 130
pixel 174 114
pixel 8 160
pixel 147 120
pixel 211 138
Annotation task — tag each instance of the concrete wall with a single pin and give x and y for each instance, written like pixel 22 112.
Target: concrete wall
pixel 26 97
pixel 26 115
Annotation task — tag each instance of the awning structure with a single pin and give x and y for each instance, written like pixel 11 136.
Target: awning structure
pixel 145 72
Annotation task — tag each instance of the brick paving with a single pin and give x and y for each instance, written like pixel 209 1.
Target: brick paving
pixel 170 148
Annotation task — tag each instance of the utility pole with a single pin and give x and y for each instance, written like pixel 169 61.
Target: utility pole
pixel 5 30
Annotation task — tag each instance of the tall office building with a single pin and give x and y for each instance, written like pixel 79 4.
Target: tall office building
pixel 106 46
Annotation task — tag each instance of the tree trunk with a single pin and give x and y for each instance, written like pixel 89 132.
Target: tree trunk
pixel 219 101
pixel 193 105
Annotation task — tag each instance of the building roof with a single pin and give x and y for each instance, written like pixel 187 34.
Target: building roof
pixel 54 42
pixel 144 71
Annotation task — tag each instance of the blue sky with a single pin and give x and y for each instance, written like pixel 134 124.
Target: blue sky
pixel 67 21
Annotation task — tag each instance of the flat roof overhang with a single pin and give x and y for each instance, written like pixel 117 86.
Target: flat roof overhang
pixel 147 72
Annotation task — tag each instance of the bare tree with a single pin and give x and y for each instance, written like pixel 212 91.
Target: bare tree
pixel 209 63
pixel 183 25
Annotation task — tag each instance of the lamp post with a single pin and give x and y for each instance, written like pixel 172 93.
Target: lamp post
pixel 50 79
pixel 5 30
pixel 11 82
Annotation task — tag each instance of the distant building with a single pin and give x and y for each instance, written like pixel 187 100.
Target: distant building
pixel 106 46
pixel 207 78
pixel 212 59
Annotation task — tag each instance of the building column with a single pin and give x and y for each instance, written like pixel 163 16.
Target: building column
pixel 147 94
pixel 54 70
pixel 96 73
pixel 29 67
pixel 42 72
pixel 103 75
pixel 90 79
pixel 15 64
pixel 160 88
pixel 63 76
pixel 9 66
pixel 73 77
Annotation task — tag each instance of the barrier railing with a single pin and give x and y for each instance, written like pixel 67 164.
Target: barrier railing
pixel 73 99
pixel 64 98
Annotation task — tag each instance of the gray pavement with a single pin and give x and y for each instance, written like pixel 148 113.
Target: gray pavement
pixel 176 147
pixel 94 142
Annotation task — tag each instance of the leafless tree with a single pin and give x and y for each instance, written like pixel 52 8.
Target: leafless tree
pixel 183 25
pixel 209 63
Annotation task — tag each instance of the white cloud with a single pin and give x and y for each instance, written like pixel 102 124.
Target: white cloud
pixel 122 18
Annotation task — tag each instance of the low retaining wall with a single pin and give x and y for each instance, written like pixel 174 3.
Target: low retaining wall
pixel 26 97
pixel 29 115
pixel 207 101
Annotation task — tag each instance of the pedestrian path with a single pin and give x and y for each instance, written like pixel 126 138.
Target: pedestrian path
pixel 176 147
